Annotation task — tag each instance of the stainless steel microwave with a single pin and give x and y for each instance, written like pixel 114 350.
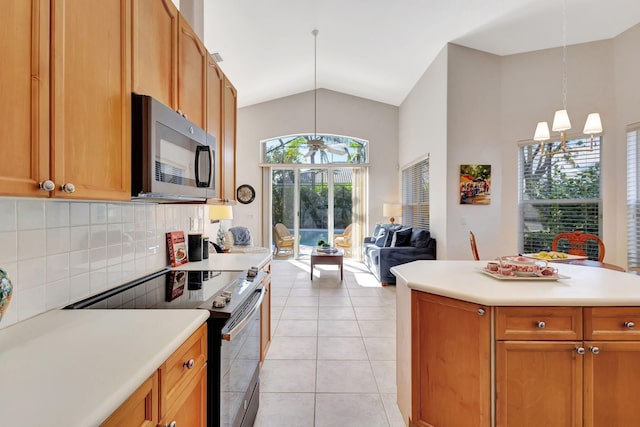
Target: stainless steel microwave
pixel 172 159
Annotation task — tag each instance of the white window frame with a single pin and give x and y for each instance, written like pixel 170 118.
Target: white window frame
pixel 415 194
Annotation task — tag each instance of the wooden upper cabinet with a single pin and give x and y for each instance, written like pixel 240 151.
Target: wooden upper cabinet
pixel 24 104
pixel 155 50
pixel 91 98
pixel 228 146
pixel 192 74
pixel 215 82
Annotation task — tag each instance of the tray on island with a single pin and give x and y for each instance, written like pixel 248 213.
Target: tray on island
pixel 525 278
pixel 327 250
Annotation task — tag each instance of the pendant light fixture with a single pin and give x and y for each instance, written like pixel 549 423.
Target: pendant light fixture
pixel 561 122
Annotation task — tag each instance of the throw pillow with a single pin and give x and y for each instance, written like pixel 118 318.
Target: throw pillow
pixel 420 238
pixel 381 237
pixel 390 232
pixel 402 237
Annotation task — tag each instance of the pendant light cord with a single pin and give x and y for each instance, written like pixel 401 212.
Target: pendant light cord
pixel 315 83
pixel 564 54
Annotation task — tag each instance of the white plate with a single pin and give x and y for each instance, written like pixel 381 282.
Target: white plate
pixel 529 278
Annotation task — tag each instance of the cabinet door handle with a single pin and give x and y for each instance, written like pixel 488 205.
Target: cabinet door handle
pixel 68 188
pixel 629 325
pixel 47 185
pixel 541 324
pixel 481 311
pixel 594 350
pixel 580 350
pixel 171 424
pixel 189 364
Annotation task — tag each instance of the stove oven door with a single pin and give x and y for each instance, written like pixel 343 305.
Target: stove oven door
pixel 240 363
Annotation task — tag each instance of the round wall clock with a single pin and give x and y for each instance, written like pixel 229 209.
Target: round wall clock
pixel 245 194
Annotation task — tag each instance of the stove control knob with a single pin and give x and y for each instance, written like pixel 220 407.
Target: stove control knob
pixel 226 295
pixel 219 301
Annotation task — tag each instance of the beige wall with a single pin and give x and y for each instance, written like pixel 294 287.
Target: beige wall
pixel 492 104
pixel 423 131
pixel 338 114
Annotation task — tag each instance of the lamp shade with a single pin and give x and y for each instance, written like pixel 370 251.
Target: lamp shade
pixel 391 209
pixel 542 132
pixel 561 121
pixel 593 125
pixel 219 212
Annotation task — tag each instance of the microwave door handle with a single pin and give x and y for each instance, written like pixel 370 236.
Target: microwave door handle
pixel 199 150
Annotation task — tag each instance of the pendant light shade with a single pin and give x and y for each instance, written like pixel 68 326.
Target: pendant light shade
pixel 593 125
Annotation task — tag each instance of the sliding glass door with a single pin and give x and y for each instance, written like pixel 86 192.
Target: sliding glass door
pixel 314 204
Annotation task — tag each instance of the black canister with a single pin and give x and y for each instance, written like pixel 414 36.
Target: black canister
pixel 195 247
pixel 205 248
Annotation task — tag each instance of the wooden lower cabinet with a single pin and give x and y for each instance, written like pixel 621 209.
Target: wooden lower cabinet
pixel 140 409
pixel 190 407
pixel 611 383
pixel 177 391
pixel 550 370
pixel 451 345
pixel 265 315
pixel 538 383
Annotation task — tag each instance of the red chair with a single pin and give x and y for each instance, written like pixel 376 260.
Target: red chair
pixel 577 240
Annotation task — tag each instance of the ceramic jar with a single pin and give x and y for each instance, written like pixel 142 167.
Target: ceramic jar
pixel 6 291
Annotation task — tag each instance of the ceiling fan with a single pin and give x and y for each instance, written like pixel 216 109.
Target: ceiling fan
pixel 317 144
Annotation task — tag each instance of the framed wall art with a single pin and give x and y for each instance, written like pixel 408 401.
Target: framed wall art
pixel 475 184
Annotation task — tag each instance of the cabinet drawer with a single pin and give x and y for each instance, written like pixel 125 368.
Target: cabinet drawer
pixel 612 323
pixel 182 366
pixel 539 323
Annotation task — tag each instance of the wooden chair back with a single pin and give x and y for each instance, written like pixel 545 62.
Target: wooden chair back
pixel 474 248
pixel 577 241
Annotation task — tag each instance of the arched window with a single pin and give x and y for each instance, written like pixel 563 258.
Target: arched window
pixel 315 149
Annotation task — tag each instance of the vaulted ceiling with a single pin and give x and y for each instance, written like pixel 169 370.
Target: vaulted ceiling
pixel 378 49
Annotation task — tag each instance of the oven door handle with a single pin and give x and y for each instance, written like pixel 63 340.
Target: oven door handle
pixel 228 336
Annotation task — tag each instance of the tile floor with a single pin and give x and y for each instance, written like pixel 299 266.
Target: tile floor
pixel 332 357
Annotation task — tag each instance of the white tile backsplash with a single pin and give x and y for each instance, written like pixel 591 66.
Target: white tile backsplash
pixel 57 252
pixel 8 215
pixel 57 267
pixel 57 240
pixel 79 238
pixel 9 247
pixel 98 213
pixel 31 244
pixel 79 213
pixel 30 214
pixel 56 213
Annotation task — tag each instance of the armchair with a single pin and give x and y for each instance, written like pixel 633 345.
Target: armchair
pixel 282 240
pixel 343 240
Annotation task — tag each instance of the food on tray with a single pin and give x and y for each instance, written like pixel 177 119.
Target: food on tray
pixel 550 255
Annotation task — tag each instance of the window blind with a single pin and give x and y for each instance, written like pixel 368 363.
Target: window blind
pixel 633 204
pixel 415 195
pixel 558 194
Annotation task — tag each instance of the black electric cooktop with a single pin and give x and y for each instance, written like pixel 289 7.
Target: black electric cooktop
pixel 170 289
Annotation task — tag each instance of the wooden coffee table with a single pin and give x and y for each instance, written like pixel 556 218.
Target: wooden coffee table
pixel 325 258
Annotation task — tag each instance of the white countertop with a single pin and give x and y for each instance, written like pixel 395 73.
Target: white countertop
pixel 227 262
pixel 587 286
pixel 75 367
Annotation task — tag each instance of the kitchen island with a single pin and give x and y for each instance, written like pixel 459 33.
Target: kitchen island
pixel 477 351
